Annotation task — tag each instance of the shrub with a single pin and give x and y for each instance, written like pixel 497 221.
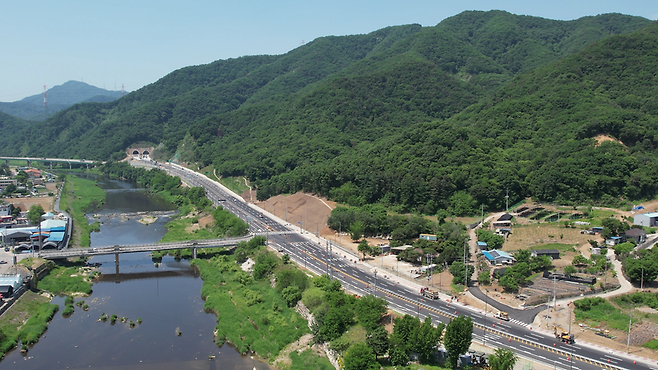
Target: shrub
pixel 68 310
pixel 586 304
pixel 312 298
pixel 251 297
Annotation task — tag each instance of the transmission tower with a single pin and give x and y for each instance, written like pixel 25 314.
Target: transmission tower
pixel 45 101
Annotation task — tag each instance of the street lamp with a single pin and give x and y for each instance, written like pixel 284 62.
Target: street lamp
pixel 375 291
pixel 331 268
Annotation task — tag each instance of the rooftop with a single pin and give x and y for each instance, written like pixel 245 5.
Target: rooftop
pixel 505 217
pixel 635 232
pixel 652 214
pixel 496 254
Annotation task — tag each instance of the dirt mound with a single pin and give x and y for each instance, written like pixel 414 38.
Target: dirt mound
pixel 300 209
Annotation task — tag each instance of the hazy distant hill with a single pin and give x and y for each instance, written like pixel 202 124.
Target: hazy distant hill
pixel 59 97
pixel 407 115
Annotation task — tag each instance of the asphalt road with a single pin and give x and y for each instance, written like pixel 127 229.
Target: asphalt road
pixel 404 297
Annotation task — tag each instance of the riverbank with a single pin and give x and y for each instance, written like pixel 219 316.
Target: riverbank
pixel 25 321
pixel 77 197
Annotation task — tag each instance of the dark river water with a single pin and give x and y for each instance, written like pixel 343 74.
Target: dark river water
pixel 166 298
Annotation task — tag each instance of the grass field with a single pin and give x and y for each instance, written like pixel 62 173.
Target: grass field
pixel 66 280
pixel 652 344
pixel 264 325
pixel 178 230
pixel 27 319
pixel 559 246
pixel 603 314
pixel 532 236
pixel 236 184
pixel 308 360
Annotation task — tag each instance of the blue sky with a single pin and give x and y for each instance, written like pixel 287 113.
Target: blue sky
pixel 136 42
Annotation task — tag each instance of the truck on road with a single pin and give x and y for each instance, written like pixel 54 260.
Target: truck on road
pixel 501 316
pixel 429 293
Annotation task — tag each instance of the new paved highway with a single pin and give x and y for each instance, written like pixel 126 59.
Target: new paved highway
pixel 403 296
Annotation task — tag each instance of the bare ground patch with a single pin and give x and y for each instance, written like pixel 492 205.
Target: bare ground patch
pixel 302 344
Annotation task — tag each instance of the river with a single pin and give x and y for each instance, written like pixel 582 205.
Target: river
pixel 166 298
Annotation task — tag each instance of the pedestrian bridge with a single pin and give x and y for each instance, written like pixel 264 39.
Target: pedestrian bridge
pixel 119 249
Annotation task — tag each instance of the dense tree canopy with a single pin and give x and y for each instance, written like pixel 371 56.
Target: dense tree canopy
pixel 457 338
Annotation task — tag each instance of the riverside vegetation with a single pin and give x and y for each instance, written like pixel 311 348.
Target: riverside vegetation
pixel 79 196
pixel 28 318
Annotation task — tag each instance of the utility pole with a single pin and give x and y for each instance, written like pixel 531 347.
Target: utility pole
pixel 554 296
pixel 630 319
pixel 507 201
pixel 326 260
pixel 331 268
pixel 465 267
pixel 605 275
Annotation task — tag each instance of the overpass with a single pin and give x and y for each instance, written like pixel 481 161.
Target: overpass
pixel 49 160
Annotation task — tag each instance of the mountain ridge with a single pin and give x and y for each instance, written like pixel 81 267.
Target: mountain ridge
pixel 312 118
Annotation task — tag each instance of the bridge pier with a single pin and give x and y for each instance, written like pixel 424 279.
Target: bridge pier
pixel 29 163
pixel 51 166
pixel 194 253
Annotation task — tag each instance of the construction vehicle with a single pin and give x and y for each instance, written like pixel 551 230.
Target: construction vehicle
pixel 501 316
pixel 563 335
pixel 605 333
pixel 429 293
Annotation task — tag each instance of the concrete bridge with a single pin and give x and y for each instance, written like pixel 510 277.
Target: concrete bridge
pixel 119 249
pixel 49 160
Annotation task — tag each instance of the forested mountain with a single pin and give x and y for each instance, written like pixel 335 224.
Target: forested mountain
pixel 535 137
pixel 59 98
pixel 425 118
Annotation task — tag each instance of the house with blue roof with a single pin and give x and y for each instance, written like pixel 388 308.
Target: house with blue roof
pixel 497 257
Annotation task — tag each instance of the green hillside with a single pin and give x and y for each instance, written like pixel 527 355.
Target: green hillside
pixel 422 117
pixel 534 137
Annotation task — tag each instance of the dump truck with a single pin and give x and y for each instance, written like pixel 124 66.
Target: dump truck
pixel 563 335
pixel 429 293
pixel 501 315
